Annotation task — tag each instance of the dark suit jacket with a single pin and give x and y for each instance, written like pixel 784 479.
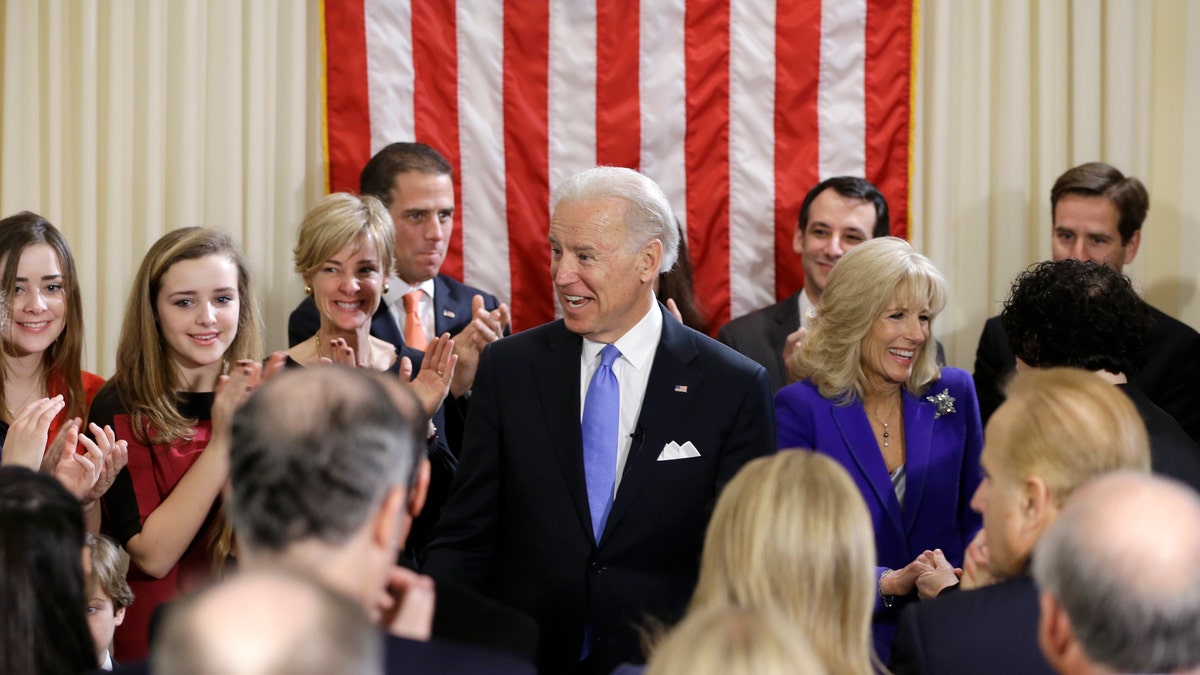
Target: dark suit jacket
pixel 1172 452
pixel 408 657
pixel 518 526
pixel 761 335
pixel 942 466
pixel 1169 377
pixel 988 631
pixel 451 314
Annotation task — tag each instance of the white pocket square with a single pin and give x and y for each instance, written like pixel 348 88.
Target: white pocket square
pixel 674 450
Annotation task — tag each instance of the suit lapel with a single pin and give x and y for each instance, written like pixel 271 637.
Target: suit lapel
pixel 384 327
pixel 787 320
pixel 668 394
pixel 918 441
pixel 449 310
pixel 856 432
pixel 557 378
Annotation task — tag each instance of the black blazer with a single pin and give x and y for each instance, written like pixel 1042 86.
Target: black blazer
pixel 517 525
pixel 761 335
pixel 1172 452
pixel 988 631
pixel 408 657
pixel 1170 376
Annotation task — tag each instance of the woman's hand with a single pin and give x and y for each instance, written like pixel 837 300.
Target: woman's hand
pixel 342 352
pixel 437 372
pixel 232 391
pixel 941 576
pixel 902 581
pixel 25 444
pixel 78 472
pixel 115 457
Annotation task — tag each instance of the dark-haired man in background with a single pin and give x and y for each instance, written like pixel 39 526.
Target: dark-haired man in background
pixel 837 214
pixel 1097 215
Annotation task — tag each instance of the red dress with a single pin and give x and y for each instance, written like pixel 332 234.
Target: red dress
pixel 153 471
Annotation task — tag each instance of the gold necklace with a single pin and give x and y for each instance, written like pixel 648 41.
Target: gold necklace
pixel 36 394
pixel 320 352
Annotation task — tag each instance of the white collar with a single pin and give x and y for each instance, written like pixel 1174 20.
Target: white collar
pixel 638 344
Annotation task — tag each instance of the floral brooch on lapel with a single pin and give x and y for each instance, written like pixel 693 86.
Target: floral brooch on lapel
pixel 944 402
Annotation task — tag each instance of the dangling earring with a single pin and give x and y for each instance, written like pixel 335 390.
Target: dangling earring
pixel 386 287
pixel 307 289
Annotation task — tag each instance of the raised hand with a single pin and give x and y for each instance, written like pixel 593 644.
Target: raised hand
pixel 790 345
pixel 25 444
pixel 78 473
pixel 437 372
pixel 406 604
pixel 116 456
pixel 485 327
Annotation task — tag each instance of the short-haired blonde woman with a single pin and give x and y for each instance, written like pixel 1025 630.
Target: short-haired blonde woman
pixel 790 531
pixel 345 251
pixel 873 398
pixel 730 640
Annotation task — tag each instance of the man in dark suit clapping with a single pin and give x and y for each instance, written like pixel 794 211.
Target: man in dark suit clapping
pixel 596 444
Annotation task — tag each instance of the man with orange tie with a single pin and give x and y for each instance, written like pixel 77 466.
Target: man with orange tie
pixel 415 183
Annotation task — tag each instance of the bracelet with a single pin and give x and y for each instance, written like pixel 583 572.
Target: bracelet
pixel 888 600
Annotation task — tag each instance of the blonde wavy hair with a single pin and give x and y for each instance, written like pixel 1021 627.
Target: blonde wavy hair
pixel 791 532
pixel 862 285
pixel 1066 426
pixel 727 639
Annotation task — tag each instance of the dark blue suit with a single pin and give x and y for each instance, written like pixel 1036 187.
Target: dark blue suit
pixel 518 527
pixel 942 465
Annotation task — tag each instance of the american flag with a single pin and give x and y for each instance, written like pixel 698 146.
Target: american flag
pixel 735 107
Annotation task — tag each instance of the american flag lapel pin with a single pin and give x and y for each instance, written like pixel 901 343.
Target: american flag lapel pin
pixel 681 389
pixel 448 313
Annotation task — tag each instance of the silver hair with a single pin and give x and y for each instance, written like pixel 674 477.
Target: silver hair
pixel 648 217
pixel 1122 613
pixel 313 452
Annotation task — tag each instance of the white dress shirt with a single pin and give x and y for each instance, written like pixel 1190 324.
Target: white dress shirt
pixel 637 346
pixel 807 309
pixel 394 298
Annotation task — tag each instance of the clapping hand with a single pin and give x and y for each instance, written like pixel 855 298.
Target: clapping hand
pixel 25 444
pixel 485 328
pixel 406 604
pixel 941 575
pixel 976 573
pixel 88 476
pixel 437 372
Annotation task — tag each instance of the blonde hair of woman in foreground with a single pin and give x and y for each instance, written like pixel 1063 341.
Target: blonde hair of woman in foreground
pixel 728 640
pixel 791 532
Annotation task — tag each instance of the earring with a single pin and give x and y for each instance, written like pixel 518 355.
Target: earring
pixel 307 289
pixel 386 287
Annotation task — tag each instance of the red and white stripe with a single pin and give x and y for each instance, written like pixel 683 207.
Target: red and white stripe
pixel 735 107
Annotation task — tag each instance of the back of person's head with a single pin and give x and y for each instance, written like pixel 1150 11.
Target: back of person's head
pixel 1097 179
pixel 267 623
pixel 378 177
pixel 1066 426
pixel 63 359
pixel 851 187
pixel 42 627
pixel 730 640
pixel 1122 562
pixel 647 213
pixel 791 531
pixel 314 452
pixel 1077 314
pixel 865 281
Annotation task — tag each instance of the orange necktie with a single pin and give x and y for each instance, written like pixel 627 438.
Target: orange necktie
pixel 414 331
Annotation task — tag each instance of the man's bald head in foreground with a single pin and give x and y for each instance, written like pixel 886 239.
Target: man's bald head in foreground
pixel 1119 573
pixel 268 623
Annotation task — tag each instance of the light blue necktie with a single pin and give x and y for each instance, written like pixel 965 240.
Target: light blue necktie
pixel 601 418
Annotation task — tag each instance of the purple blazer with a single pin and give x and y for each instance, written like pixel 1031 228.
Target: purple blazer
pixel 942 464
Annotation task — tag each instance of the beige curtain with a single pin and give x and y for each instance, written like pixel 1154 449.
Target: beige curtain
pixel 122 119
pixel 1012 93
